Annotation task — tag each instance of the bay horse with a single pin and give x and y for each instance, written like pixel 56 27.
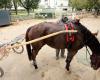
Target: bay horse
pixel 82 37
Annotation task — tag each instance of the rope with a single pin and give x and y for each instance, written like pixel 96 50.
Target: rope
pixel 41 38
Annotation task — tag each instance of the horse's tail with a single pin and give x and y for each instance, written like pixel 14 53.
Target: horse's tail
pixel 28 46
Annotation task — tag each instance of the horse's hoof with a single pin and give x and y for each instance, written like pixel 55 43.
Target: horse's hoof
pixel 68 71
pixel 67 67
pixel 63 56
pixel 1 72
pixel 35 66
pixel 57 58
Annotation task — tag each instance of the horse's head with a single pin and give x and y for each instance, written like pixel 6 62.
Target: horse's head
pixel 95 61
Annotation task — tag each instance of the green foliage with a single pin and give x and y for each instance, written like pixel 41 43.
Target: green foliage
pixel 5 4
pixel 15 3
pixel 78 4
pixel 85 4
pixel 29 4
pixel 35 4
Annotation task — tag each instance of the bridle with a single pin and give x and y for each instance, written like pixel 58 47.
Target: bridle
pixel 93 56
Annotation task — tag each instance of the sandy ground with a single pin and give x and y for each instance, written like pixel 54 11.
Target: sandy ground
pixel 18 67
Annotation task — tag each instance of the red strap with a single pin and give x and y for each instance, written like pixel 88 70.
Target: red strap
pixel 69 38
pixel 72 36
pixel 66 26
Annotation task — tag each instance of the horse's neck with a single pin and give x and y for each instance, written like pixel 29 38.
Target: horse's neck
pixel 89 39
pixel 92 43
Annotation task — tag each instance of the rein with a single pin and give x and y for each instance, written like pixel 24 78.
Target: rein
pixel 87 52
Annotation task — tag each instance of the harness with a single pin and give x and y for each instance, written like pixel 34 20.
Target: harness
pixel 70 37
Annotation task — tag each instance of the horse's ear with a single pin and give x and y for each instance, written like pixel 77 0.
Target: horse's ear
pixel 77 21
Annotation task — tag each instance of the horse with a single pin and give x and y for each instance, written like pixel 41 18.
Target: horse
pixel 82 38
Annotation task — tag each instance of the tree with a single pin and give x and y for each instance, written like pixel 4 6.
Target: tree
pixel 29 4
pixel 94 4
pixel 15 3
pixel 75 4
pixel 35 4
pixel 84 4
pixel 1 5
pixel 5 4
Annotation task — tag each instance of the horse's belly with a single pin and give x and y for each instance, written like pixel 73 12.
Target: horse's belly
pixel 56 42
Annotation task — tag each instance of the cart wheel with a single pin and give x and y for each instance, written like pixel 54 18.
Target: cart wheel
pixel 19 49
pixel 1 72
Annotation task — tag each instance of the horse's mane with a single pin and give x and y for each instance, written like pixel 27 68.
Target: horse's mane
pixel 89 39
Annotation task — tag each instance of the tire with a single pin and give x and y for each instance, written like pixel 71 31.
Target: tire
pixel 19 49
pixel 1 72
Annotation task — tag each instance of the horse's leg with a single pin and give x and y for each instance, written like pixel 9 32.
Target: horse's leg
pixel 34 53
pixel 69 58
pixel 57 53
pixel 36 47
pixel 62 53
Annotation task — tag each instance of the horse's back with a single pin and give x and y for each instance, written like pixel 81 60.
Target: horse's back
pixel 36 31
pixel 57 41
pixel 46 28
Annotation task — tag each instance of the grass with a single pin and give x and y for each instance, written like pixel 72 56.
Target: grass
pixel 22 15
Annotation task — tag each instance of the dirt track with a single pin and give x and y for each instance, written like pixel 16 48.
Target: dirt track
pixel 18 67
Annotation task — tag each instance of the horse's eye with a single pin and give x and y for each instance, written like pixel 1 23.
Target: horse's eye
pixel 90 57
pixel 93 61
pixel 99 57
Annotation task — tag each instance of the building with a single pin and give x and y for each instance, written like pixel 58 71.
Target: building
pixel 54 3
pixel 58 7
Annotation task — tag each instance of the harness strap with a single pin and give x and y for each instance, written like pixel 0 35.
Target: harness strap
pixel 70 36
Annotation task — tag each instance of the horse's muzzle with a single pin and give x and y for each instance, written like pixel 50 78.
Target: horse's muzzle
pixel 95 67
